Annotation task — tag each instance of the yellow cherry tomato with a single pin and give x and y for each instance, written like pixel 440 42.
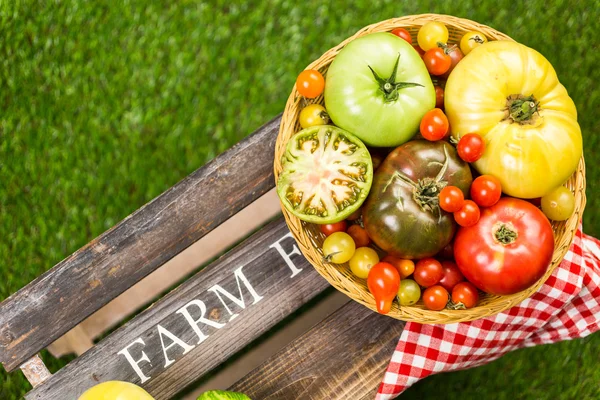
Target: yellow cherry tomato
pixel 313 114
pixel 510 95
pixel 362 261
pixel 471 40
pixel 338 247
pixel 115 390
pixel 431 34
pixel 559 204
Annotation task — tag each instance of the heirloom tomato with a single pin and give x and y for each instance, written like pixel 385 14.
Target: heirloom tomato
pixel 508 250
pixel 435 297
pixel 361 262
pixel 402 214
pixel 511 96
pixel 471 40
pixel 115 390
pixel 310 83
pixel 326 176
pixel 409 292
pixel 559 204
pixel 465 293
pixel 328 229
pixel 378 89
pixel 383 283
pixel 338 248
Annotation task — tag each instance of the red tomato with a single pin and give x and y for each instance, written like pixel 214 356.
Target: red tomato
pixel 434 125
pixel 439 97
pixel 452 275
pixel 465 293
pixel 355 215
pixel 405 267
pixel 468 215
pixel 402 33
pixel 359 235
pixel 486 190
pixel 447 252
pixel 508 250
pixel 310 83
pixel 328 229
pixel 435 298
pixel 428 272
pixel 451 199
pixel 470 147
pixel 383 283
pixel 455 56
pixel 419 50
pixel 437 61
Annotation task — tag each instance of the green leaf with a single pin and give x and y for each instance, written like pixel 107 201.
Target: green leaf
pixel 222 395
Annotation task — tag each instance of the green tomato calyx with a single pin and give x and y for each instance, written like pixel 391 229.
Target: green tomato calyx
pixel 505 233
pixel 389 87
pixel 426 191
pixel 521 109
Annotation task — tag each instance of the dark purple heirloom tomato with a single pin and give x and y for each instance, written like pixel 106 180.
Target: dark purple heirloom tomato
pixel 402 214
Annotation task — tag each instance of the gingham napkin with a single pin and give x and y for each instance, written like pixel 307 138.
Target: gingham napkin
pixel 567 306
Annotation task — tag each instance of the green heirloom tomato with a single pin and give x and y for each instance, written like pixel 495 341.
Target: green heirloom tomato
pixel 378 88
pixel 327 173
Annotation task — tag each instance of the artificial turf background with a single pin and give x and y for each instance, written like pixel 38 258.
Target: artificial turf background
pixel 104 105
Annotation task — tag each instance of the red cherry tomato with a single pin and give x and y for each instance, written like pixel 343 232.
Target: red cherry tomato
pixel 468 215
pixel 465 293
pixel 452 275
pixel 447 252
pixel 435 297
pixel 439 97
pixel 451 199
pixel 359 234
pixel 455 56
pixel 355 215
pixel 328 229
pixel 383 283
pixel 486 190
pixel 428 272
pixel 434 125
pixel 310 83
pixel 402 33
pixel 437 61
pixel 470 147
pixel 419 50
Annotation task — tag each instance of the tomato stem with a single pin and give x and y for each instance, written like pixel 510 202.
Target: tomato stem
pixel 389 87
pixel 521 109
pixel 505 233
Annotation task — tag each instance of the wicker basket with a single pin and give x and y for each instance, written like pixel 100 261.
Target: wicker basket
pixel 310 239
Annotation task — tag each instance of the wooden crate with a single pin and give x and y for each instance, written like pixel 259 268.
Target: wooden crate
pixel 212 315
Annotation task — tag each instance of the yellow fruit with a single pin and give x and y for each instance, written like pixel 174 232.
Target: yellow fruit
pixel 511 96
pixel 115 390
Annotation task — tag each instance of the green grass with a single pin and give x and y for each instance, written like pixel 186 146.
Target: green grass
pixel 104 105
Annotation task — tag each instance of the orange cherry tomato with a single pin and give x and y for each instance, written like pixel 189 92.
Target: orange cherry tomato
pixel 310 83
pixel 405 267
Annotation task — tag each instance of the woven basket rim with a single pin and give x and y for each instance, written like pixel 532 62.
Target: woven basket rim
pixel 336 275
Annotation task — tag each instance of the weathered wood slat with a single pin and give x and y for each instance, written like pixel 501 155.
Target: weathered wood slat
pixel 62 297
pixel 275 282
pixel 343 357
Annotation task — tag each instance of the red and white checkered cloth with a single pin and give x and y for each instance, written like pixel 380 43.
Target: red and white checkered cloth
pixel 567 306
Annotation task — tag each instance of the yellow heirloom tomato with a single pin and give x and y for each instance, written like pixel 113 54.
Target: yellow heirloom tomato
pixel 115 390
pixel 511 96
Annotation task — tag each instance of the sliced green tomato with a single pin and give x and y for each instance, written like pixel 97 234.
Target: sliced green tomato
pixel 327 174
